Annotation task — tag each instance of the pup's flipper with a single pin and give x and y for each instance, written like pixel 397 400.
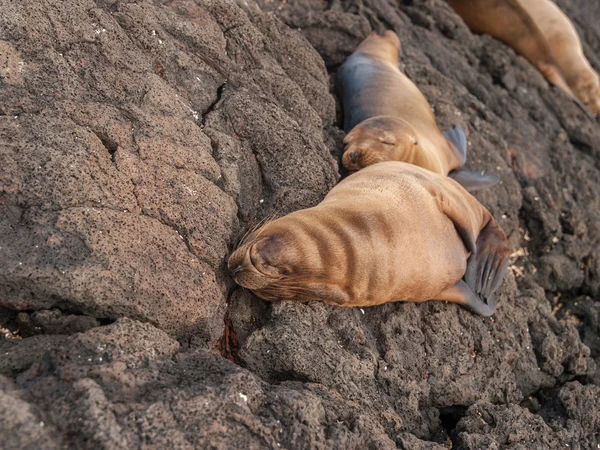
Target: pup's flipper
pixel 473 181
pixel 464 222
pixel 463 295
pixel 487 265
pixel 456 137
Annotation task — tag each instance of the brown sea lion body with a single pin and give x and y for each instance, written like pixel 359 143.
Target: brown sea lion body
pixel 387 118
pixel 372 87
pixel 392 231
pixel 543 34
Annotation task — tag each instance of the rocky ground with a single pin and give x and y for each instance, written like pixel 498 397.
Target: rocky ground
pixel 140 140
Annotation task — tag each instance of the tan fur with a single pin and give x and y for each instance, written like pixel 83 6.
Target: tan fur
pixel 399 124
pixel 542 33
pixel 386 233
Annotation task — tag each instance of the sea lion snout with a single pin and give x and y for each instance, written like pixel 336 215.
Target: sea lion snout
pixel 243 271
pixel 259 262
pixel 356 158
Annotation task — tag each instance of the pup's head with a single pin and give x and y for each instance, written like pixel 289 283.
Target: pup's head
pixel 268 262
pixel 282 261
pixel 381 138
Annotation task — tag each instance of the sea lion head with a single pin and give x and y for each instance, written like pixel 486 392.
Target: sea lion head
pixel 381 138
pixel 269 261
pixel 281 261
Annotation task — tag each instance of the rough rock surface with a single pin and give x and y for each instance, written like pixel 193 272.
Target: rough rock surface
pixel 139 140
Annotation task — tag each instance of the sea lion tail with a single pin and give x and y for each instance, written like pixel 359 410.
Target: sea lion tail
pixel 473 181
pixel 375 39
pixel 487 265
pixel 394 39
pixel 457 139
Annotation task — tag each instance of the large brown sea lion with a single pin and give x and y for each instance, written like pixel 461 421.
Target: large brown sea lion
pixel 387 118
pixel 542 33
pixel 392 231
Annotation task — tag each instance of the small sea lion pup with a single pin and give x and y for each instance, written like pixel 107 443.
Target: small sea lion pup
pixel 539 31
pixel 392 231
pixel 387 118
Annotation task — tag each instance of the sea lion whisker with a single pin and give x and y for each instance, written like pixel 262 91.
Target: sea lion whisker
pixel 256 226
pixel 280 290
pixel 265 222
pixel 249 231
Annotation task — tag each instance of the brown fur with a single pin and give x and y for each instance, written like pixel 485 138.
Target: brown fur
pixel 392 231
pixel 387 118
pixel 542 33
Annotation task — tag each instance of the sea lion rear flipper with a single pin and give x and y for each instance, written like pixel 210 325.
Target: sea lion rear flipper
pixel 456 136
pixel 463 295
pixel 584 108
pixel 473 181
pixel 555 78
pixel 487 265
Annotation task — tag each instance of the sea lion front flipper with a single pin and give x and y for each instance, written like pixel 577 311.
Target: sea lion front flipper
pixel 456 136
pixel 463 295
pixel 464 222
pixel 487 265
pixel 473 181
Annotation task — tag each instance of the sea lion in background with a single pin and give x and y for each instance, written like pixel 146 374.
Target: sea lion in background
pixel 387 118
pixel 539 31
pixel 392 231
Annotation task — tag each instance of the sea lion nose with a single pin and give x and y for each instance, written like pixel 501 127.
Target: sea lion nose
pixel 353 156
pixel 236 270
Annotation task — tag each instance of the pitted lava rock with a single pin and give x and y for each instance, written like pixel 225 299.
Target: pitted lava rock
pixel 139 141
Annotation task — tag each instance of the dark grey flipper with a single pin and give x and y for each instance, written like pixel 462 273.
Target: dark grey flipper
pixel 479 305
pixel 470 180
pixel 473 181
pixel 467 237
pixel 456 136
pixel 487 265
